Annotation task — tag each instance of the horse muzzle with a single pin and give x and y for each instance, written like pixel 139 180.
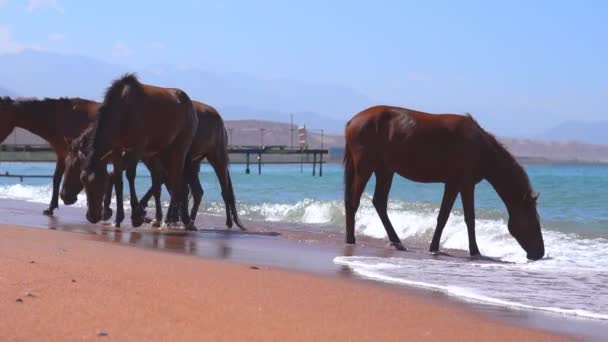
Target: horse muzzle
pixel 68 200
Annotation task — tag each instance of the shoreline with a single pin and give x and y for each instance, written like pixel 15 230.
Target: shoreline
pixel 63 286
pixel 272 245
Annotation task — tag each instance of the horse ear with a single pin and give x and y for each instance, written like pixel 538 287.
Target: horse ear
pixel 535 196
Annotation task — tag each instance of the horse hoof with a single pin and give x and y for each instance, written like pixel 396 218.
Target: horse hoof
pixel 155 224
pixel 47 212
pixel 476 256
pixel 191 227
pixel 398 246
pixel 107 214
pixel 136 222
pixel 169 225
pixel 148 220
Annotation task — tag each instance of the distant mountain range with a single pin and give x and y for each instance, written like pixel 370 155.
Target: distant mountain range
pixel 588 132
pixel 6 92
pixel 237 96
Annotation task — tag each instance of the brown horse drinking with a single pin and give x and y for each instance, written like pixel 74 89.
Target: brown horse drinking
pixel 54 120
pixel 72 185
pixel 450 149
pixel 144 120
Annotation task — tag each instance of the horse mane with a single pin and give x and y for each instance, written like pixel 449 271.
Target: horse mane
pixel 114 93
pixel 82 140
pixel 503 156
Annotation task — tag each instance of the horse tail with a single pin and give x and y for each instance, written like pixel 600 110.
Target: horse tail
pixel 349 172
pixel 235 215
pixel 231 200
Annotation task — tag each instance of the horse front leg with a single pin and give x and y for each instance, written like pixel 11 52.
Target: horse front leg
pixel 59 168
pixel 384 180
pixel 450 192
pixel 137 212
pixel 107 199
pixel 196 189
pixel 118 186
pixel 468 204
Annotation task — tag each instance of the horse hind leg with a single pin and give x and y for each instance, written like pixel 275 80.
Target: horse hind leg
pixel 156 173
pixel 221 171
pixel 355 181
pixel 449 196
pixel 196 189
pixel 384 181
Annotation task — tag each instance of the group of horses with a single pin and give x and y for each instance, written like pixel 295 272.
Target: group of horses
pixel 162 127
pixel 172 134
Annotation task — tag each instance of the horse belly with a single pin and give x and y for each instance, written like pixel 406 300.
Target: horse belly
pixel 423 169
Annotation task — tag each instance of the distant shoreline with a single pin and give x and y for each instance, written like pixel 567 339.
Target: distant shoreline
pixel 49 157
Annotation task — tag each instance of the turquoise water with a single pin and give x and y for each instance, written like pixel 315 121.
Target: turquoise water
pixel 573 205
pixel 574 198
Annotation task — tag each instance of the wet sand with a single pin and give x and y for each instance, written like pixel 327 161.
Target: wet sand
pixel 144 293
pixel 59 286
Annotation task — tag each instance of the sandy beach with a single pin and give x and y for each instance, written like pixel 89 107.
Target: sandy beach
pixel 64 286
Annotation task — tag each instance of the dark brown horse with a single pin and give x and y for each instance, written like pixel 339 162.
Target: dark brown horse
pixel 54 120
pixel 211 142
pixel 450 149
pixel 145 121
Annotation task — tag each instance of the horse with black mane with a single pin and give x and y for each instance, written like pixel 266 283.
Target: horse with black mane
pixel 143 121
pixel 55 120
pixel 448 148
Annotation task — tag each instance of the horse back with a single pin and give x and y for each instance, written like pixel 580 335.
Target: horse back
pixel 157 116
pixel 419 146
pixel 210 136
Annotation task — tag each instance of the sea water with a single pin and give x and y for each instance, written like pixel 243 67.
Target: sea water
pixel 571 280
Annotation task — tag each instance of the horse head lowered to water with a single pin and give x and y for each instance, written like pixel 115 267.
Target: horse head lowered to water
pixel 448 148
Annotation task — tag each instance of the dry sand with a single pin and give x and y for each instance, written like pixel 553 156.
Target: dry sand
pixel 62 286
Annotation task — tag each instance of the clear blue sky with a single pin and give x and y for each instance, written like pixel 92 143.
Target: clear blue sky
pixel 539 60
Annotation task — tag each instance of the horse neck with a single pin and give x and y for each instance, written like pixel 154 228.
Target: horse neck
pixel 38 120
pixel 508 179
pixel 107 130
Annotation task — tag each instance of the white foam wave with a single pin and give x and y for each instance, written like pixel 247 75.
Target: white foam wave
pixel 412 221
pixel 415 221
pixel 381 269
